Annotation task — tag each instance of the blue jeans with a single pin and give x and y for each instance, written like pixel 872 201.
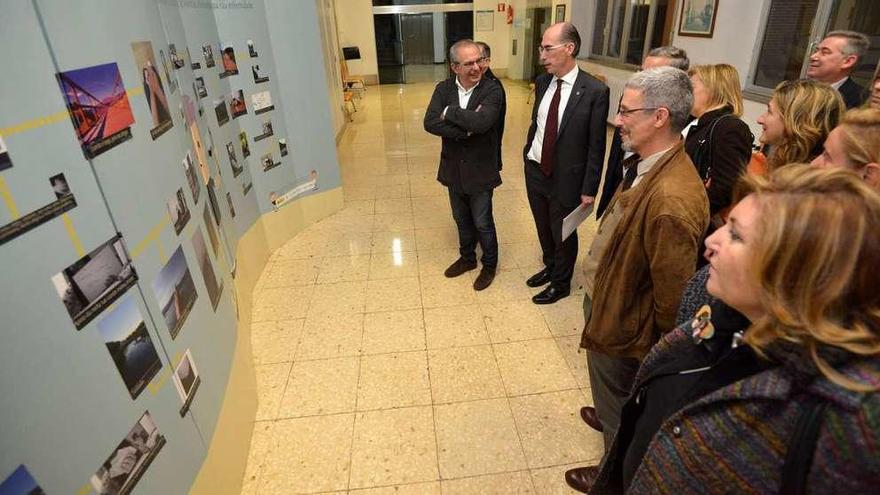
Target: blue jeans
pixel 473 216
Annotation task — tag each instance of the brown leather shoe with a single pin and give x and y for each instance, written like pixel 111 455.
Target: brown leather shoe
pixel 588 414
pixel 485 278
pixel 582 478
pixel 460 266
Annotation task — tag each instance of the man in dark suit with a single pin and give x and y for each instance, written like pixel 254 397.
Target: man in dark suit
pixel 834 59
pixel 486 54
pixel 563 154
pixel 464 111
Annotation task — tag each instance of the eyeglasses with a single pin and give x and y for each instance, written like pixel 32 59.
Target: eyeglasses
pixel 627 113
pixel 542 49
pixel 468 65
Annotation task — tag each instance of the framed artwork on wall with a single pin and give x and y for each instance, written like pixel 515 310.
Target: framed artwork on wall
pixel 560 13
pixel 698 18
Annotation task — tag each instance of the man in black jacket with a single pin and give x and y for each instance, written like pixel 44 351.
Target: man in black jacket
pixel 834 59
pixel 486 54
pixel 464 111
pixel 563 154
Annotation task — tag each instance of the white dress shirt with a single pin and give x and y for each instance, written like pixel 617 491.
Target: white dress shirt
pixel 544 108
pixel 464 96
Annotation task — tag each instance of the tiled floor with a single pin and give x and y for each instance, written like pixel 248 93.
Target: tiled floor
pixel 378 375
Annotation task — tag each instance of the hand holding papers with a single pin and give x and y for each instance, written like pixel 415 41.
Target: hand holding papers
pixel 572 220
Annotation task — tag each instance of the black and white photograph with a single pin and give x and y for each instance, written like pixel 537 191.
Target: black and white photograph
pixel 266 131
pixel 59 186
pixel 212 232
pixel 208 53
pixel 193 63
pixel 214 286
pixel 233 160
pixel 221 112
pixel 267 162
pixel 282 146
pixel 178 210
pixel 246 182
pixel 201 90
pixel 128 462
pixel 5 161
pixel 175 291
pixel 262 102
pixel 212 198
pixel 176 59
pixel 259 75
pixel 231 206
pixel 94 281
pixel 243 142
pixel 186 380
pixel 192 179
pixel 20 482
pixel 237 104
pixel 172 81
pixel 64 201
pixel 230 66
pixel 128 341
pixel 251 50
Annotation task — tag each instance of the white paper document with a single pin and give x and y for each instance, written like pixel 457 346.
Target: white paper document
pixel 570 223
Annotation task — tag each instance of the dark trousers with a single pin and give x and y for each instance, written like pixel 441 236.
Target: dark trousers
pixel 473 216
pixel 559 257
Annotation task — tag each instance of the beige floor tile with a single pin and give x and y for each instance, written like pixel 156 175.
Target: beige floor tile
pixel 275 341
pixel 438 291
pixel 330 336
pixel 309 455
pixel 298 248
pixel 258 455
pixel 437 238
pixel 398 205
pixel 527 256
pixel 430 488
pixel 508 285
pixel 284 303
pixel 394 446
pixel 510 232
pixel 356 207
pixel 576 358
pixel 393 222
pixel 514 321
pixel 394 331
pixel 325 386
pixel 289 273
pixel 464 373
pixel 552 431
pixel 395 265
pixel 394 380
pixel 551 480
pixel 433 262
pixel 393 192
pixel 271 380
pixel 346 226
pixel 391 242
pixel 393 294
pixel 518 483
pixel 434 219
pixel 477 438
pixel 342 297
pixel 344 269
pixel 533 366
pixel 455 326
pixel 349 243
pixel 565 317
pixel 431 204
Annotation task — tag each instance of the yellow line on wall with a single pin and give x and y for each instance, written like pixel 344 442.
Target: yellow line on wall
pixel 162 257
pixel 7 198
pixel 163 377
pixel 152 235
pixel 74 238
pixel 85 489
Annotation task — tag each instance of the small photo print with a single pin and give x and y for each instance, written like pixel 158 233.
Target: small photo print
pixel 230 67
pixel 246 183
pixel 262 102
pixel 231 206
pixel 193 64
pixel 59 186
pixel 221 112
pixel 266 131
pixel 214 287
pixel 128 462
pixel 176 60
pixel 233 160
pixel 212 232
pixel 245 147
pixel 201 90
pixel 125 334
pixel 251 50
pixel 20 482
pixel 186 381
pixel 5 161
pixel 268 162
pixel 215 205
pixel 99 107
pixel 208 53
pixel 178 210
pixel 236 104
pixel 154 91
pixel 172 82
pixel 175 291
pixel 282 146
pixel 192 179
pixel 64 201
pixel 94 281
pixel 259 75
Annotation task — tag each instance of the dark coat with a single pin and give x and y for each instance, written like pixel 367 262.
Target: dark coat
pixel 613 172
pixel 469 156
pixel 580 140
pixel 499 126
pixel 853 94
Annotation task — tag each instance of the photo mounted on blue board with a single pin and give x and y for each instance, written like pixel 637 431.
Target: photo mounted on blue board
pixel 221 112
pixel 175 291
pixel 128 341
pixel 243 142
pixel 128 462
pixel 176 60
pixel 186 380
pixel 172 81
pixel 212 232
pixel 230 66
pixel 5 161
pixel 231 206
pixel 267 162
pixel 178 210
pixel 200 89
pixel 251 50
pixel 259 75
pixel 246 182
pixel 237 104
pixel 266 131
pixel 282 146
pixel 262 102
pixel 204 261
pixel 98 106
pixel 193 64
pixel 63 202
pixel 233 160
pixel 154 90
pixel 208 53
pixel 192 179
pixel 20 482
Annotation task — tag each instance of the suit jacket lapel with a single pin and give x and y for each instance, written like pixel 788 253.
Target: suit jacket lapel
pixel 577 90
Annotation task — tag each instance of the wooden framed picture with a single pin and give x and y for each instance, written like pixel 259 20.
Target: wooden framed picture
pixel 698 18
pixel 560 12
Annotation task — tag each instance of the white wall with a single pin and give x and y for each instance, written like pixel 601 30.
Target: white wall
pixel 354 23
pixel 497 39
pixel 332 54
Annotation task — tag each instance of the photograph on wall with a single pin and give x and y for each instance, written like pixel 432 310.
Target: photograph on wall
pixel 266 131
pixel 208 53
pixel 154 91
pixel 214 286
pixel 176 60
pixel 246 182
pixel 262 102
pixel 178 210
pixel 251 50
pixel 302 186
pixel 201 158
pixel 221 112
pixel 125 334
pixel 186 380
pixel 175 291
pixel 212 232
pixel 698 18
pixel 94 281
pixel 282 146
pixel 172 82
pixel 236 104
pixel 267 162
pixel 231 206
pixel 98 106
pixel 233 160
pixel 193 64
pixel 192 179
pixel 64 201
pixel 230 67
pixel 212 199
pixel 243 142
pixel 201 90
pixel 20 482
pixel 5 161
pixel 187 108
pixel 128 462
pixel 259 75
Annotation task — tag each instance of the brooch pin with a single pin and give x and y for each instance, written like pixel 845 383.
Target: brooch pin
pixel 701 325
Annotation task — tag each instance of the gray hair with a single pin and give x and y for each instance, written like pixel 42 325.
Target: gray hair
pixel 666 87
pixel 678 58
pixel 485 51
pixel 856 43
pixel 458 45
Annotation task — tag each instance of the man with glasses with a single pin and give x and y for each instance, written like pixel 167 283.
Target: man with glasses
pixel 643 252
pixel 464 110
pixel 486 59
pixel 563 154
pixel 835 58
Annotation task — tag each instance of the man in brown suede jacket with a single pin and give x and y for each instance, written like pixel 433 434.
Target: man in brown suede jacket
pixel 643 252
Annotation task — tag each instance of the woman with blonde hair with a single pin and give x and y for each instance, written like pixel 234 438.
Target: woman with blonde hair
pixel 778 393
pixel 855 145
pixel 799 117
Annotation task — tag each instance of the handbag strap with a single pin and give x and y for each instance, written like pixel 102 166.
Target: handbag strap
pixel 799 457
pixel 708 150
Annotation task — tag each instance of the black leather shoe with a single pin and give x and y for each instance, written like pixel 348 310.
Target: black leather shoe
pixel 460 266
pixel 550 295
pixel 539 279
pixel 588 414
pixel 582 479
pixel 485 278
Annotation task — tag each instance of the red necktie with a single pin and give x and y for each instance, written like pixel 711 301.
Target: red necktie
pixel 551 127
